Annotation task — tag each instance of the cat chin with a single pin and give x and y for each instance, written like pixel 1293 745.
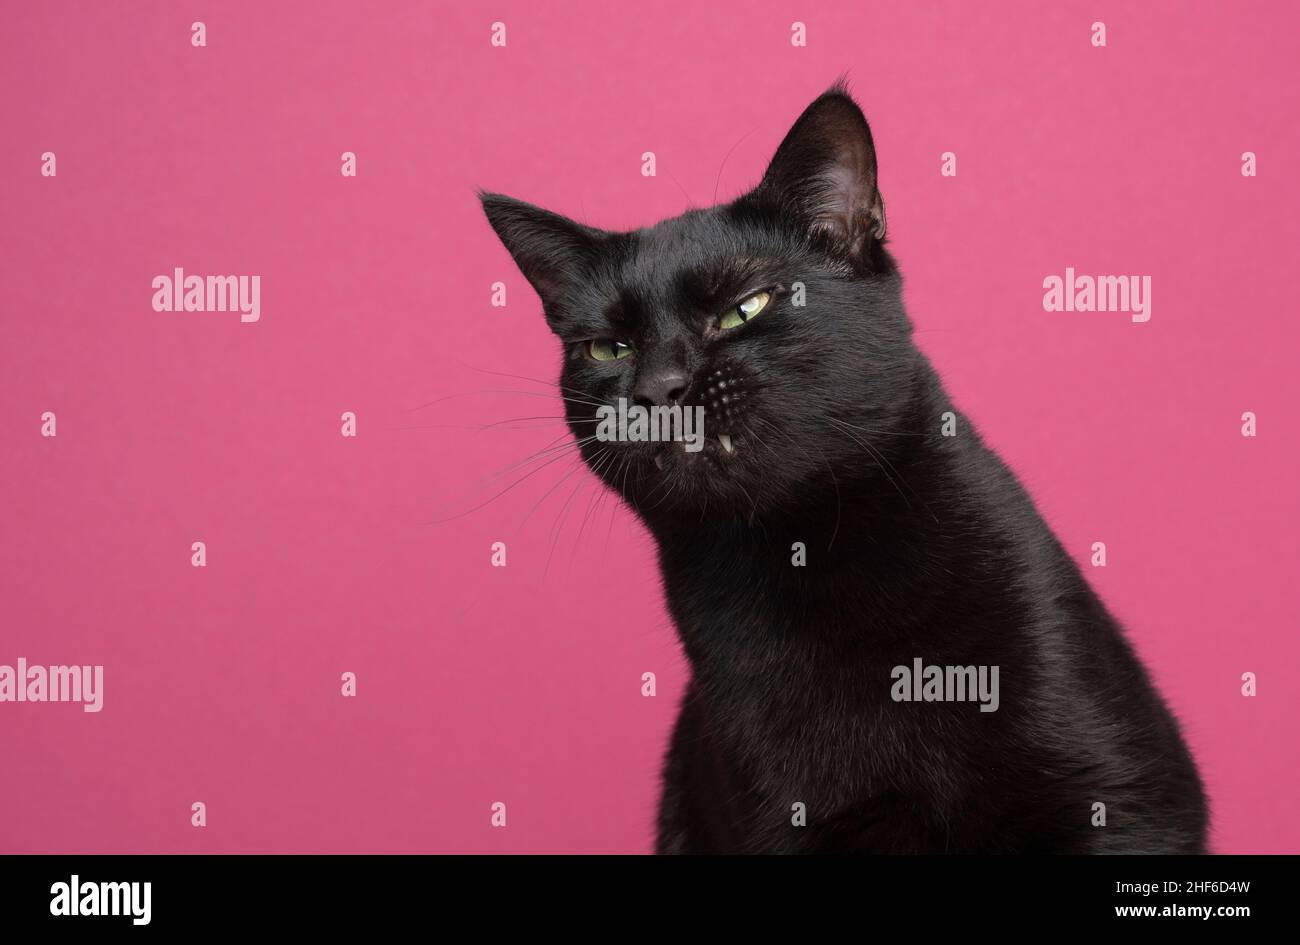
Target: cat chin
pixel 672 480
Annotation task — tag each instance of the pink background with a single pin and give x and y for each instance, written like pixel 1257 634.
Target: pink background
pixel 522 684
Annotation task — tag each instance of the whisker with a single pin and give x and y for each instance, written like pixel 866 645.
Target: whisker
pixel 522 393
pixel 887 467
pixel 597 462
pixel 577 464
pixel 839 505
pixel 611 461
pixel 753 503
pixel 503 423
pixel 557 529
pixel 488 502
pixel 553 446
pixel 525 377
pixel 877 458
pixel 725 157
pixel 877 432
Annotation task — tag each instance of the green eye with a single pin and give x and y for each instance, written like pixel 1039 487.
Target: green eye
pixel 607 349
pixel 746 310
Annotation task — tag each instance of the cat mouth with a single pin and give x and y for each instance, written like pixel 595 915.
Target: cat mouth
pixel 722 444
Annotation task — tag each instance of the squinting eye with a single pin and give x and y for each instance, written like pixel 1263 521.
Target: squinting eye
pixel 745 311
pixel 607 349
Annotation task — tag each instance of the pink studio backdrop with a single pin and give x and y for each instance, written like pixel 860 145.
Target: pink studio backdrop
pixel 327 555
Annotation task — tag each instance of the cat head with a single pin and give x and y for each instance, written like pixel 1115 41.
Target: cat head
pixel 778 313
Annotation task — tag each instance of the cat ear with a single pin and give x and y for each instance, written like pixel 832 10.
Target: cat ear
pixel 551 251
pixel 824 174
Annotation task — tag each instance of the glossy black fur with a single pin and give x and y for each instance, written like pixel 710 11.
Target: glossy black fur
pixel 918 544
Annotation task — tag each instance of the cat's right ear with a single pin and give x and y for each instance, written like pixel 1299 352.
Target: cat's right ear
pixel 553 252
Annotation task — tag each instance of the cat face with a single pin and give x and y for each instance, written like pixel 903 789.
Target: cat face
pixel 778 314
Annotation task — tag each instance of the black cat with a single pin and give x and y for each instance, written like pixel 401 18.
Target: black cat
pixel 844 523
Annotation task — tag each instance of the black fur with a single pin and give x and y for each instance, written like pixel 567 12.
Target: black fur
pixel 918 544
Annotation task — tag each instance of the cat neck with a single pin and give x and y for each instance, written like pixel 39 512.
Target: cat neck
pixel 857 550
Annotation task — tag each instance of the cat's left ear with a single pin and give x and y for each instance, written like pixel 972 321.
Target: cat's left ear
pixel 824 174
pixel 553 252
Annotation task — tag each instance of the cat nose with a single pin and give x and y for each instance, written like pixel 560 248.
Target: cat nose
pixel 660 387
